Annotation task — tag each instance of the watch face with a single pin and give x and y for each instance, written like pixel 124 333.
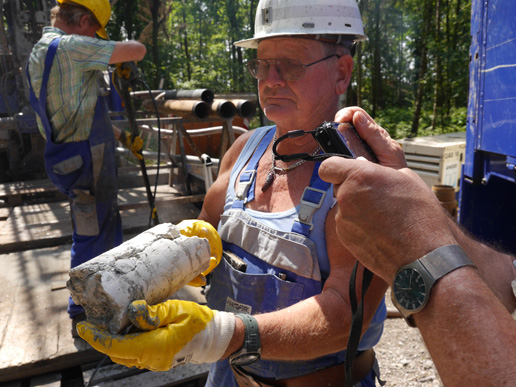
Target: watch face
pixel 409 289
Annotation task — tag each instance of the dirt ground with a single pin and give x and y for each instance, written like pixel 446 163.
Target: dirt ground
pixel 402 355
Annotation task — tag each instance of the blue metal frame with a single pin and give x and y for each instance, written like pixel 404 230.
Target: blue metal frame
pixel 487 205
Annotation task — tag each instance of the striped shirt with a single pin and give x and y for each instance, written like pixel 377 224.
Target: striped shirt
pixel 73 84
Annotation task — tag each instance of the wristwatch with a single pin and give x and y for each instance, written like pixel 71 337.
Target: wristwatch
pixel 412 283
pixel 251 350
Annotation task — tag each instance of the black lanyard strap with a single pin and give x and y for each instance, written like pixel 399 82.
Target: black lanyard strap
pixel 302 156
pixel 357 317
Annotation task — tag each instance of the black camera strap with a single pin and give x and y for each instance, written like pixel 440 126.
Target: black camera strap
pixel 357 317
pixel 302 156
pixel 357 309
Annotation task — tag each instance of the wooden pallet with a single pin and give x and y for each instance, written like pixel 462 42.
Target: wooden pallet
pixel 36 346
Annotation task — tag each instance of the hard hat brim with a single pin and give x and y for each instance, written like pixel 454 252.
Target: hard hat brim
pixel 103 33
pixel 253 42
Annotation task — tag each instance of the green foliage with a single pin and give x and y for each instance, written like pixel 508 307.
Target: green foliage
pixel 196 49
pixel 395 30
pixel 398 121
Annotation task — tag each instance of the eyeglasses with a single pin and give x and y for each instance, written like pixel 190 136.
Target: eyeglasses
pixel 288 69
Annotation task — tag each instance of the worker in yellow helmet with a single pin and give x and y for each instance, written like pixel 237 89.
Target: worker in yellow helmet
pixel 64 71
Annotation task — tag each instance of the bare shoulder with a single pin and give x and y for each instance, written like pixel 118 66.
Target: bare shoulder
pixel 234 151
pixel 215 197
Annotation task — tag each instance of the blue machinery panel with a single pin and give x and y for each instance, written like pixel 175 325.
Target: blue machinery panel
pixel 487 206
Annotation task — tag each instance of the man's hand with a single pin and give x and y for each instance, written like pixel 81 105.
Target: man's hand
pixel 202 229
pixel 386 217
pixel 174 332
pixel 134 145
pixel 388 151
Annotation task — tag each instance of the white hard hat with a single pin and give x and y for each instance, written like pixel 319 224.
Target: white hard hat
pixel 339 19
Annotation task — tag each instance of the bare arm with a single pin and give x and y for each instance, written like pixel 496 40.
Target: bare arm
pixel 406 203
pixel 127 51
pixel 318 325
pixel 409 223
pixel 468 331
pixel 495 267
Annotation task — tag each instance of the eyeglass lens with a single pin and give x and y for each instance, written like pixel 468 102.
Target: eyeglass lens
pixel 288 69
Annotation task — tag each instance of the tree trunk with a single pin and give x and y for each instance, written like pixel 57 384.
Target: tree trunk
pixel 155 6
pixel 358 55
pixel 446 89
pixel 128 16
pixel 185 46
pixel 358 58
pixel 422 69
pixel 438 80
pixel 377 69
pixel 400 57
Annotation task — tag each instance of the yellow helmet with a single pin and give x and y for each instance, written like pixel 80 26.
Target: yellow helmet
pixel 100 8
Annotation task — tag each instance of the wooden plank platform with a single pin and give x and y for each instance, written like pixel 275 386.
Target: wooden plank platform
pixel 35 328
pixel 15 194
pixel 115 375
pixel 43 191
pixel 33 320
pixel 48 224
pixel 36 346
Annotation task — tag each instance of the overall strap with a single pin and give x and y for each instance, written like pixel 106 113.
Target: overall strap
pixel 311 200
pixel 40 104
pixel 247 182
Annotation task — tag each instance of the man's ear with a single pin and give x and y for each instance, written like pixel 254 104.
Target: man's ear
pixel 84 21
pixel 345 69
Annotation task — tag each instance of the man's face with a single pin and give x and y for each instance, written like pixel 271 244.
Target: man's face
pixel 302 103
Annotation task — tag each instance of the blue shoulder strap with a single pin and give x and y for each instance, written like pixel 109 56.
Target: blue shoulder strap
pixel 40 104
pixel 247 182
pixel 312 199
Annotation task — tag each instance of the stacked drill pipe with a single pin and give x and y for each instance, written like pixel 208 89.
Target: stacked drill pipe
pixel 245 103
pixel 198 103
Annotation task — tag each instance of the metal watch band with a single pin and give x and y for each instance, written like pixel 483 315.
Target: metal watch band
pixel 252 343
pixel 444 260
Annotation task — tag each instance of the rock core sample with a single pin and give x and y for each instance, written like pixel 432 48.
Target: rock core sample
pixel 152 266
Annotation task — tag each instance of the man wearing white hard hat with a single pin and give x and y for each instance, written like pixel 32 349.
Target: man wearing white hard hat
pixel 64 71
pixel 278 309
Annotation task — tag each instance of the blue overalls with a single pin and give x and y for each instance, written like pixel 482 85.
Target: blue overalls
pixel 286 262
pixel 86 172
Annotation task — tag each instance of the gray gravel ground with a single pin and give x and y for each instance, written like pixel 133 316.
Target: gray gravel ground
pixel 403 358
pixel 402 355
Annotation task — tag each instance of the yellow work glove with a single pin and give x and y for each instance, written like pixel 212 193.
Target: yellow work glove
pixel 134 145
pixel 175 332
pixel 202 229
